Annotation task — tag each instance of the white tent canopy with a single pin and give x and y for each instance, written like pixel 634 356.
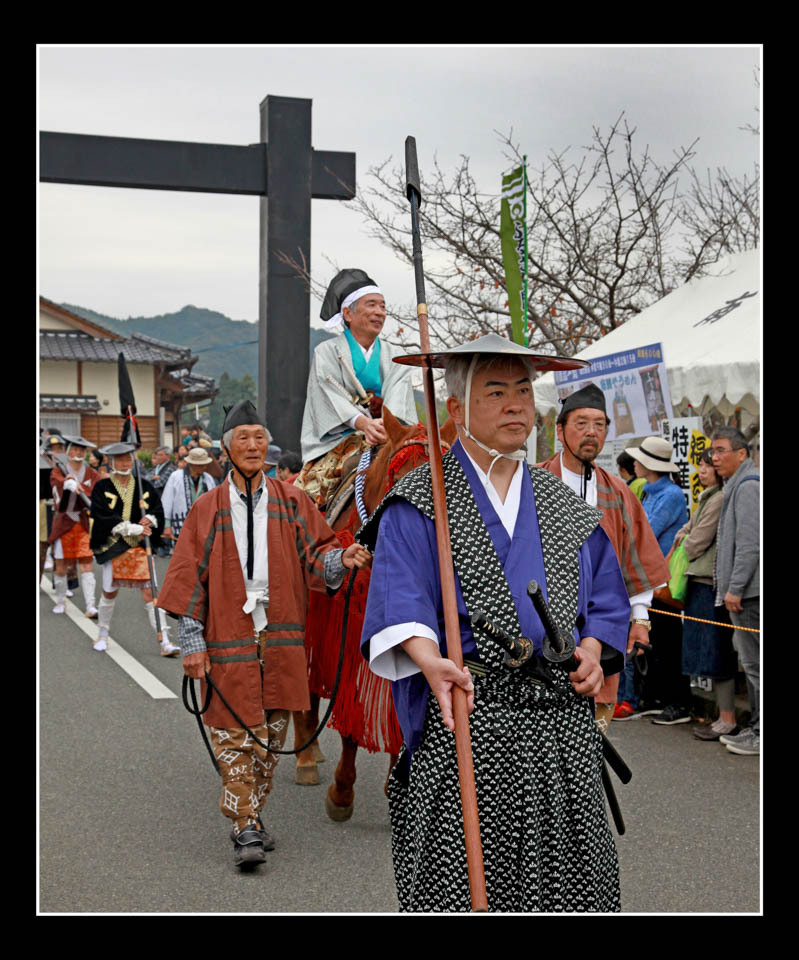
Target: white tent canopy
pixel 710 329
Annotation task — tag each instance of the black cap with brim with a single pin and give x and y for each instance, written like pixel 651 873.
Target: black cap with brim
pixel 117 449
pixel 77 441
pixel 492 344
pixel 590 397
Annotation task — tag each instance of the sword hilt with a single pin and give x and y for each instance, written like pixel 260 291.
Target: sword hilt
pixel 558 646
pixel 517 650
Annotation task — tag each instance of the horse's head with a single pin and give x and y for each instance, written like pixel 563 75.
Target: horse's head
pixel 405 449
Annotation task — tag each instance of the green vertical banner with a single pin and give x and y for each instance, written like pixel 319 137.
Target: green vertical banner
pixel 513 236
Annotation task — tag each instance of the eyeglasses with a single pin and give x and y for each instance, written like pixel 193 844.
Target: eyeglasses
pixel 720 451
pixel 582 426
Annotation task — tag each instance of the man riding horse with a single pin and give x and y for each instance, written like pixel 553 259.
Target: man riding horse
pixel 351 377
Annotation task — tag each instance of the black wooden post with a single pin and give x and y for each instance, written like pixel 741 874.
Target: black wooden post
pixel 286 172
pixel 283 301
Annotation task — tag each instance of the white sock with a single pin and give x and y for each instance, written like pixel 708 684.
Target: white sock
pixel 105 610
pixel 88 585
pixel 150 607
pixel 60 588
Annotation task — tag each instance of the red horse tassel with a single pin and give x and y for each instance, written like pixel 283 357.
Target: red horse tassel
pixel 367 715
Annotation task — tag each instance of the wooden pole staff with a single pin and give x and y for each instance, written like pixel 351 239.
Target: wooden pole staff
pixel 463 744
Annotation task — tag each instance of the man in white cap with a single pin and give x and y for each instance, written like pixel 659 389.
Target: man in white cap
pixel 183 487
pixel 72 481
pixel 351 377
pixel 666 509
pixel 123 514
pixel 546 841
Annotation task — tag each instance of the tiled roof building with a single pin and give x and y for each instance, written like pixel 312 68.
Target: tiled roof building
pixel 78 380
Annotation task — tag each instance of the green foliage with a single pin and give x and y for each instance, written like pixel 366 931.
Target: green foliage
pixel 145 457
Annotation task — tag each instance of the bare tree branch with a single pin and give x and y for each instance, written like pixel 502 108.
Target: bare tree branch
pixel 610 231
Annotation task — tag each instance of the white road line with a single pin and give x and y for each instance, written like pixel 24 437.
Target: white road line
pixel 146 680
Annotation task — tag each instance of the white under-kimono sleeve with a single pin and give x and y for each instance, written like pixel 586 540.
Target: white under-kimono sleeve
pixel 404 592
pixel 386 655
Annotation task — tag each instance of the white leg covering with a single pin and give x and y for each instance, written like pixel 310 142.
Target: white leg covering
pixel 105 611
pixel 60 589
pixel 150 608
pixel 88 585
pixel 168 649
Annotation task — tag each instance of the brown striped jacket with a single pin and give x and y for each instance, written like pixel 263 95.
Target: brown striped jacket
pixel 205 582
pixel 624 521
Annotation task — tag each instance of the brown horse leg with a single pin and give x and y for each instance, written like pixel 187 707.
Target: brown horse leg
pixel 305 722
pixel 313 721
pixel 392 759
pixel 340 798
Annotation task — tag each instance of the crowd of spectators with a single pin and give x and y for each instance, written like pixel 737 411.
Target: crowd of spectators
pixel 720 626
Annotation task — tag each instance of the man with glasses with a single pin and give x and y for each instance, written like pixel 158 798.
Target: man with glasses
pixel 582 428
pixel 737 574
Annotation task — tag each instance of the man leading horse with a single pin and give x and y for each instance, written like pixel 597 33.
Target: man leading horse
pixel 247 554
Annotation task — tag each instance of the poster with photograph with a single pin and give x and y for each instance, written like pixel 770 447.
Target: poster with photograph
pixel 635 386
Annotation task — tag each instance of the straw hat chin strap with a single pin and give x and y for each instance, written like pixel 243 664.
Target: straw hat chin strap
pixel 520 454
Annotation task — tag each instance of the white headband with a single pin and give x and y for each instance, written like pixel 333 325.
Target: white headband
pixel 337 319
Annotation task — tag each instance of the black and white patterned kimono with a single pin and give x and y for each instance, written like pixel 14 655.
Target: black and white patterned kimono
pixel 547 845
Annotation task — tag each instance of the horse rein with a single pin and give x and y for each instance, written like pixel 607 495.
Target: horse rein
pixel 212 688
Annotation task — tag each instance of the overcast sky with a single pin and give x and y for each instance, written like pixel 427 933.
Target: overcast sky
pixel 141 252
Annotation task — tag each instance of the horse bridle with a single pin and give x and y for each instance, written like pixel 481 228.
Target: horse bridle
pixel 417 440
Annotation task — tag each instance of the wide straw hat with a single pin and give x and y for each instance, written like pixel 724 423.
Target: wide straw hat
pixel 492 344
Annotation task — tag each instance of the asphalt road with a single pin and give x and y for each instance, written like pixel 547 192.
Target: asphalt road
pixel 129 820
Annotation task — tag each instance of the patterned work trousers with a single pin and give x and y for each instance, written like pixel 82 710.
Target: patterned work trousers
pixel 247 767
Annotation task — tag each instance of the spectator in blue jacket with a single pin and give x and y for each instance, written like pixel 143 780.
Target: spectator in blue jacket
pixel 666 509
pixel 664 502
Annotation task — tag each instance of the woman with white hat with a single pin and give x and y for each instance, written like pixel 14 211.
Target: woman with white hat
pixel 664 501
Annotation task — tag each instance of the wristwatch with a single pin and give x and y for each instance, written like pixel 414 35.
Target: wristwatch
pixel 643 623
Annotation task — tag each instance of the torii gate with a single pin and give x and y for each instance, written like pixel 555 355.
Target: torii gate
pixel 286 172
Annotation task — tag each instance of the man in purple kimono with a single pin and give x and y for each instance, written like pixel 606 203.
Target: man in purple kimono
pixel 547 845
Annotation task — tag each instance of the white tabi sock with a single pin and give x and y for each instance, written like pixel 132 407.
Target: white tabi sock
pixel 88 585
pixel 60 589
pixel 150 607
pixel 105 611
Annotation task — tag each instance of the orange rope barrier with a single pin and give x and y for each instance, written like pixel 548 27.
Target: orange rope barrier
pixel 698 620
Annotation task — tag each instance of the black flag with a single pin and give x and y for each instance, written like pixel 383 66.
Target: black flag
pixel 127 405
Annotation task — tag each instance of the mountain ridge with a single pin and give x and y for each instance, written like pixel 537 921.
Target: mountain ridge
pixel 223 345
